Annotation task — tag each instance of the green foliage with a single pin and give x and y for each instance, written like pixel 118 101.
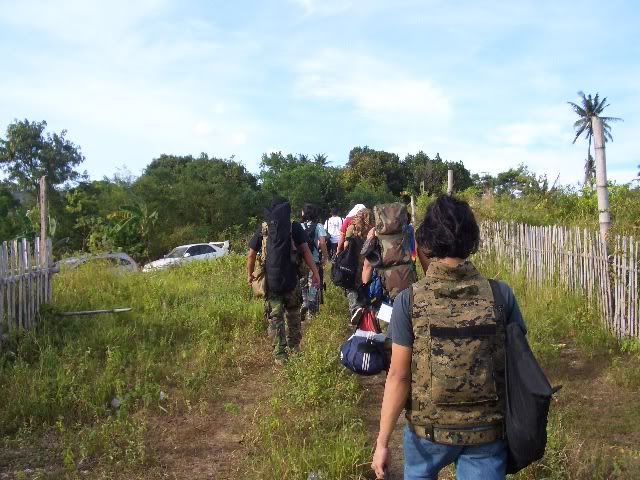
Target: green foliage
pixel 430 176
pixel 210 193
pixel 514 182
pixel 27 154
pixel 563 207
pixel 376 168
pixel 301 181
pixel 14 220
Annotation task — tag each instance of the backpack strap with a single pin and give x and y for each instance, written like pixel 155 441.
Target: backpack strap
pixel 499 301
pixel 265 234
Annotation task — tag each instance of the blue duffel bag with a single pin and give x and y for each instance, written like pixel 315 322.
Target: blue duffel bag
pixel 364 355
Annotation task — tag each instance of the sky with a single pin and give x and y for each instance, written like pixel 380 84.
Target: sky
pixel 484 82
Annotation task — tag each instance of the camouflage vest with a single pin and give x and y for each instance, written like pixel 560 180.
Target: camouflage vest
pixel 457 368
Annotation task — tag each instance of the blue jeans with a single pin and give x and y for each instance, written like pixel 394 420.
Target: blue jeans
pixel 424 459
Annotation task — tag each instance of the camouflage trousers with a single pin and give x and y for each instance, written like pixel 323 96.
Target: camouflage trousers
pixel 278 308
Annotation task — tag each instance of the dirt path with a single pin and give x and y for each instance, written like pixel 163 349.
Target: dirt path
pixel 213 444
pixel 372 400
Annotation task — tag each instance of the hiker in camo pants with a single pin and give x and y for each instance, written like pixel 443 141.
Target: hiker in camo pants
pixel 278 309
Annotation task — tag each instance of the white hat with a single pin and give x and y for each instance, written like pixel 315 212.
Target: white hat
pixel 355 210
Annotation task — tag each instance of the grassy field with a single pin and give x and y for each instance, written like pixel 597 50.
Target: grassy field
pixel 89 397
pixel 78 391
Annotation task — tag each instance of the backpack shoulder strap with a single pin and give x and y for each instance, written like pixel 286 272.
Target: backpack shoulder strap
pixel 498 300
pixel 265 234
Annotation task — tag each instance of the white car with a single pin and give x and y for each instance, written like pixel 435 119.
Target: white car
pixel 189 253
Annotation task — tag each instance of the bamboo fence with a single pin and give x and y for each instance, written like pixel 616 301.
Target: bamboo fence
pixel 25 282
pixel 577 260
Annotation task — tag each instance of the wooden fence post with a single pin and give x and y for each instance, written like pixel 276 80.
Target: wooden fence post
pixel 43 221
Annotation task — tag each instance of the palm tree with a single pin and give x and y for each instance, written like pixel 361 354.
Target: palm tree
pixel 320 159
pixel 591 107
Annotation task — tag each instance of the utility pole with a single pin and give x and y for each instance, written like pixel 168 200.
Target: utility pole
pixel 450 182
pixel 601 177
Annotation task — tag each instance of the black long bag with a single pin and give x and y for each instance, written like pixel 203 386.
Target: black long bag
pixel 345 266
pixel 281 270
pixel 528 396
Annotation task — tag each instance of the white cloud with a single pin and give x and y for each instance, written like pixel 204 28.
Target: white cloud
pixel 325 7
pixel 549 125
pixel 380 91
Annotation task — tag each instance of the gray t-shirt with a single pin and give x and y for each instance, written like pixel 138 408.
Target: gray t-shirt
pixel 401 329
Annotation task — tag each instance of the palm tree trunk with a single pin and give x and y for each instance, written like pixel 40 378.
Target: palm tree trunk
pixel 601 177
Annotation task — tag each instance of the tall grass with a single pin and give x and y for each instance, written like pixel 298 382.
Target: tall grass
pixel 94 379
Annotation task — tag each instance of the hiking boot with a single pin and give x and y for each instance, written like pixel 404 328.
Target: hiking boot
pixel 357 316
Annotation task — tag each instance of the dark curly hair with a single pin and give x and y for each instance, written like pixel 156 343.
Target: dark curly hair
pixel 449 229
pixel 310 213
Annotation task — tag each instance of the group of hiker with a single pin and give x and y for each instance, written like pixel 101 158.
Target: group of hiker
pixel 442 340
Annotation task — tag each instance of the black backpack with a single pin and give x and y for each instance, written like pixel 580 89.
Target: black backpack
pixel 345 266
pixel 280 264
pixel 527 399
pixel 310 231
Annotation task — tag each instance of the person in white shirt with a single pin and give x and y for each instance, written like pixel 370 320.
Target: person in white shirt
pixel 333 226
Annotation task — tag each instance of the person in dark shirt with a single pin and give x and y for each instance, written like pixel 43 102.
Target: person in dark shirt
pixel 283 306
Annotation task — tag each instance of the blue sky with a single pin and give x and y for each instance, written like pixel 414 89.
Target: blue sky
pixel 482 82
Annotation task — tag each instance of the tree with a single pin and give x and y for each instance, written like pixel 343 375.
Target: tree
pixel 591 107
pixel 376 168
pixel 302 181
pixel 519 181
pixel 429 175
pixel 27 154
pixel 14 220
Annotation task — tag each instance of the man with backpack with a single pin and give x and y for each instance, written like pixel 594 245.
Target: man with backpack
pixel 316 237
pixel 283 247
pixel 448 357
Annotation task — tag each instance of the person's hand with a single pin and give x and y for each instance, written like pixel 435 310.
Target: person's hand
pixel 380 461
pixel 250 278
pixel 371 233
pixel 315 279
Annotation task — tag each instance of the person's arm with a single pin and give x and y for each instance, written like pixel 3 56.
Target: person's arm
pixel 396 390
pixel 251 264
pixel 308 259
pixel 323 249
pixel 341 245
pixel 367 271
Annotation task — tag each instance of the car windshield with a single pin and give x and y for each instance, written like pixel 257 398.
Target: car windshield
pixel 177 252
